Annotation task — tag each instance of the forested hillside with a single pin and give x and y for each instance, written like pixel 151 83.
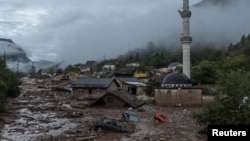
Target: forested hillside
pixel 206 60
pixel 232 76
pixel 238 57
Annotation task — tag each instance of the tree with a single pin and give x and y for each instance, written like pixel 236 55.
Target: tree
pixel 151 85
pixel 13 84
pixel 70 68
pixel 9 84
pixel 11 80
pixel 3 90
pixel 205 72
pixel 232 102
pixel 236 62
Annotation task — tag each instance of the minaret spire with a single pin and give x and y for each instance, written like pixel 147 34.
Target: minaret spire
pixel 186 40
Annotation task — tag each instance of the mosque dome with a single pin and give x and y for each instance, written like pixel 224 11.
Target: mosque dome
pixel 176 79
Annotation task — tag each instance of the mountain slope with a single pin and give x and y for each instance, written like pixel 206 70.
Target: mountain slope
pixel 17 60
pixel 11 52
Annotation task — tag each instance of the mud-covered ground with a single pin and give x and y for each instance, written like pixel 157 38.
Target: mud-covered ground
pixel 40 114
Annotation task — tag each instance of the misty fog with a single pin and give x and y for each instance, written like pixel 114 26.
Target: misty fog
pixel 77 31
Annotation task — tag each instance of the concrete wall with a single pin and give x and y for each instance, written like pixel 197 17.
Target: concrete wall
pixel 113 87
pixel 83 93
pixel 140 90
pixel 127 87
pixel 137 90
pixel 178 97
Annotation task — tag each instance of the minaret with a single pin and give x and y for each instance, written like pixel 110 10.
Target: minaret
pixel 186 40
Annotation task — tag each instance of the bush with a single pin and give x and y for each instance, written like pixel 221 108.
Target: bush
pixel 232 102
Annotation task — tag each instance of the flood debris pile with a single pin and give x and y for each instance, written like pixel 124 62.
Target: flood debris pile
pixel 40 113
pixel 36 113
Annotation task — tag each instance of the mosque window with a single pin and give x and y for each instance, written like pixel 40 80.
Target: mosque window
pixel 190 94
pixel 169 94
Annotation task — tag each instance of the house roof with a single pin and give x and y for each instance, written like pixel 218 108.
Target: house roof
pixel 126 97
pixel 122 74
pixel 131 81
pixel 90 63
pixel 173 64
pixel 139 84
pixel 93 82
pixel 128 79
pixel 109 63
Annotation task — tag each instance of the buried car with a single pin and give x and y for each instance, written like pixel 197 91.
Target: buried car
pixel 160 117
pixel 130 116
pixel 106 123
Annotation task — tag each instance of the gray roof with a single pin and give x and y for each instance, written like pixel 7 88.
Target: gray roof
pixel 176 78
pixel 173 64
pixel 128 79
pixel 93 82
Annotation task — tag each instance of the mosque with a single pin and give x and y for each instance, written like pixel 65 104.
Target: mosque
pixel 176 88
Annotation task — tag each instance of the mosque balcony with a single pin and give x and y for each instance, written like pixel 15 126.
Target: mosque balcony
pixel 185 14
pixel 176 85
pixel 186 39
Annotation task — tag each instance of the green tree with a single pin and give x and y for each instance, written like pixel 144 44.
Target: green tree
pixel 236 62
pixel 9 84
pixel 70 68
pixel 205 72
pixel 13 82
pixel 151 85
pixel 231 104
pixel 3 101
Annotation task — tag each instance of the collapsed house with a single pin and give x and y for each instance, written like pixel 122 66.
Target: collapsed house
pixel 118 98
pixel 105 92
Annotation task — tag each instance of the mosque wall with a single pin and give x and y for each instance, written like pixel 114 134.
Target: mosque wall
pixel 178 97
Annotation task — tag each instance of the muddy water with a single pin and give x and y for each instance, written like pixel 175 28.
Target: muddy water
pixel 33 125
pixel 34 115
pixel 144 130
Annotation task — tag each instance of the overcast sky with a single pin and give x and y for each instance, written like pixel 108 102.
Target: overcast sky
pixel 79 30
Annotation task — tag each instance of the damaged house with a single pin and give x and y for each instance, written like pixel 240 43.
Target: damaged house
pixel 93 88
pixel 131 85
pixel 118 98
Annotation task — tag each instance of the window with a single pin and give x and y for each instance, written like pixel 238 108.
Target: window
pixel 80 90
pixel 89 91
pixel 110 99
pixel 169 94
pixel 97 91
pixel 190 94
